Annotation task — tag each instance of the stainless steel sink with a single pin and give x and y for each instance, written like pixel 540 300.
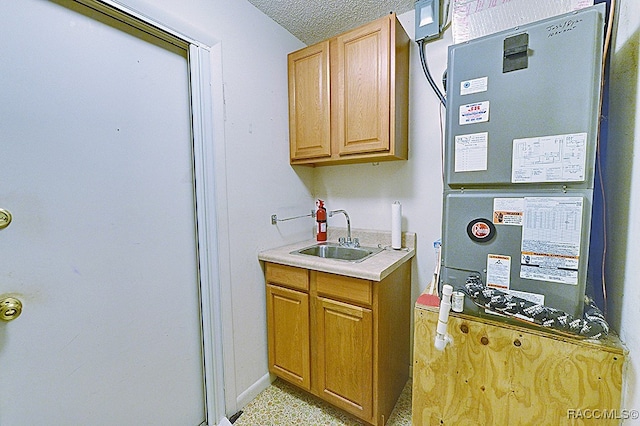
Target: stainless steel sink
pixel 338 252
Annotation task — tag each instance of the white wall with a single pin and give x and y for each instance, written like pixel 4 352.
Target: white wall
pixel 259 180
pixel 623 192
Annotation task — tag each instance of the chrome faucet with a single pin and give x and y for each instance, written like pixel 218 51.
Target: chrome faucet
pixel 348 242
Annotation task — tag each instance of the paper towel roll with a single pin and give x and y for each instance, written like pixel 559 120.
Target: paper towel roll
pixel 396 225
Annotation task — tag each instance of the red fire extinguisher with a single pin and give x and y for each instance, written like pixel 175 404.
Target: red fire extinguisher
pixel 321 219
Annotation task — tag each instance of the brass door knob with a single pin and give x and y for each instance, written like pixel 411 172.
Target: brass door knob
pixel 10 308
pixel 5 218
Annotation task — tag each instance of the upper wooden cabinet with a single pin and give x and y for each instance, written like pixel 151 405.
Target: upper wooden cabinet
pixel 348 97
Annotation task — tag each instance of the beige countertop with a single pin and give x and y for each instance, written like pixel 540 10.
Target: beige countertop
pixel 375 268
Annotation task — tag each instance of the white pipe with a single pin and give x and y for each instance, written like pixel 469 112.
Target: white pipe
pixel 442 339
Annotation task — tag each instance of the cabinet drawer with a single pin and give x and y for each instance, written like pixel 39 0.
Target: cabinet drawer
pixel 287 276
pixel 345 288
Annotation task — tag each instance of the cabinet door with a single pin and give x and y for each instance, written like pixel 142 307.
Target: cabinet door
pixel 345 356
pixel 362 98
pixel 309 119
pixel 288 335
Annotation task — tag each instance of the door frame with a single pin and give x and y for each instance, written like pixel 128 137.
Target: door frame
pixel 202 85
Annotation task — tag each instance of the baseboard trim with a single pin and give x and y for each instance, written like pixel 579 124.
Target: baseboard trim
pixel 247 396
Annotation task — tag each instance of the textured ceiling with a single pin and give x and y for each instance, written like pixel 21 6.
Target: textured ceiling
pixel 312 21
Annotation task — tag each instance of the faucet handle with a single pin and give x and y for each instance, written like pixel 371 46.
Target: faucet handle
pixel 356 242
pixel 341 240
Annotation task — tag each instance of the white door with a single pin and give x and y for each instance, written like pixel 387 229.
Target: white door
pixel 96 168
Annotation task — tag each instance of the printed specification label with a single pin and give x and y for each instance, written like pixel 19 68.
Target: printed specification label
pixel 551 239
pixel 471 152
pixel 560 158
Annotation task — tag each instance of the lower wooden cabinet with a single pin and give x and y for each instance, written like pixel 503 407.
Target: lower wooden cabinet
pixel 345 340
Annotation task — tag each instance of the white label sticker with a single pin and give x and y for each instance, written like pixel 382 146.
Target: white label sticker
pixel 508 211
pixel 471 152
pixel 477 85
pixel 538 299
pixel 559 158
pixel 498 271
pixel 551 239
pixel 477 112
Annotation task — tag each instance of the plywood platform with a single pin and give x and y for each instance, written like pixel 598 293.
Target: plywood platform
pixel 500 374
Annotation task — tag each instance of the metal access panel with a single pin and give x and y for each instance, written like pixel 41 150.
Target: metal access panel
pixel 523 104
pixel 532 244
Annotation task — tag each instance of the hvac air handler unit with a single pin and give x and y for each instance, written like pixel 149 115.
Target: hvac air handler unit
pixel 521 136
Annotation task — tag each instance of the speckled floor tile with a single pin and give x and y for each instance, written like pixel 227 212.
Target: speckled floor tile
pixel 283 404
